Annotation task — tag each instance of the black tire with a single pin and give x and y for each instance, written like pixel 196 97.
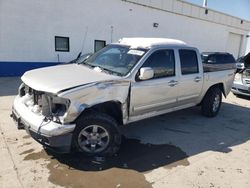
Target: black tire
pixel 106 124
pixel 211 102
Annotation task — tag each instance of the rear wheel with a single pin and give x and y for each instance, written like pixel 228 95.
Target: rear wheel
pixel 211 103
pixel 97 134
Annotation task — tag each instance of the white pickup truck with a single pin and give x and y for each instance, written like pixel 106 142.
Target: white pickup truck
pixel 81 106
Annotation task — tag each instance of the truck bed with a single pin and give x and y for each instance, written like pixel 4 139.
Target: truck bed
pixel 218 67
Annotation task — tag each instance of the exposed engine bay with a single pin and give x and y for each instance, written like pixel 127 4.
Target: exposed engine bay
pixel 43 103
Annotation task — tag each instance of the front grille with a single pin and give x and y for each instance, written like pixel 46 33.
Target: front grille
pixel 36 95
pixel 31 98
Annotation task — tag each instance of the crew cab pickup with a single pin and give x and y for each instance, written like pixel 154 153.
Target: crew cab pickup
pixel 81 106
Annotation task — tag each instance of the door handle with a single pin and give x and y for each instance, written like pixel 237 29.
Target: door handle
pixel 172 83
pixel 197 79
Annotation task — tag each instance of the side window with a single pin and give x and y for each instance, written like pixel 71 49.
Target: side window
pixel 162 62
pixel 230 59
pixel 212 59
pixel 189 62
pixel 221 59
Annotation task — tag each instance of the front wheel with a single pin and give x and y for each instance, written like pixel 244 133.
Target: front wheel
pixel 97 134
pixel 211 103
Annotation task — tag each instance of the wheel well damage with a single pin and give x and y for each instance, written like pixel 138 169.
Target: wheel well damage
pixel 111 108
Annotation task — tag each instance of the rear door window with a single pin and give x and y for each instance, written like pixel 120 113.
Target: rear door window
pixel 189 62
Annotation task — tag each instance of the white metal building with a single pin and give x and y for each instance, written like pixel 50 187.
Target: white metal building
pixel 37 33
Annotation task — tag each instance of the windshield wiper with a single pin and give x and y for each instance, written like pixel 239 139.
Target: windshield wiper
pixel 87 64
pixel 102 68
pixel 110 71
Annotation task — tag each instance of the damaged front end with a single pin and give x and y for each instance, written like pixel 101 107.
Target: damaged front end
pixel 42 115
pixel 48 105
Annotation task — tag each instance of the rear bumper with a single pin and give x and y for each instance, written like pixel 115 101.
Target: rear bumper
pixel 240 89
pixel 50 134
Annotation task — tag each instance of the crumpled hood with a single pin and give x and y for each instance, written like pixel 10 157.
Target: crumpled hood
pixel 57 78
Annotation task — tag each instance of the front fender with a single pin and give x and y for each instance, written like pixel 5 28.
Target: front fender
pixel 93 94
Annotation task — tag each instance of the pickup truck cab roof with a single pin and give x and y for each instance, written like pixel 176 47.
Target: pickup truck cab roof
pixel 150 42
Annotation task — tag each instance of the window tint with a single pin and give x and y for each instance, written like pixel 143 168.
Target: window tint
pixel 204 57
pixel 162 62
pixel 221 59
pixel 189 62
pixel 229 59
pixel 212 59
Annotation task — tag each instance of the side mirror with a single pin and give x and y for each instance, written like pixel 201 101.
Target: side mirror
pixel 146 73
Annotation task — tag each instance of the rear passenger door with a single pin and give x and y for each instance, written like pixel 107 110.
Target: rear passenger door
pixel 191 77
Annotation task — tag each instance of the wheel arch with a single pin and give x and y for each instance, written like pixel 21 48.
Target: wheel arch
pixel 222 88
pixel 111 108
pixel 218 85
pixel 209 100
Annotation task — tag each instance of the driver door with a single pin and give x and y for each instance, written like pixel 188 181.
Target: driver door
pixel 158 93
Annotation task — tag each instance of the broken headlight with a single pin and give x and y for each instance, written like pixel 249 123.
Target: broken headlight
pixel 53 106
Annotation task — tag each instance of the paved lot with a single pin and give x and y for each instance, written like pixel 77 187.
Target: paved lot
pixel 180 149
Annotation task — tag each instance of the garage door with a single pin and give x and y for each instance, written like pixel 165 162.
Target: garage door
pixel 234 44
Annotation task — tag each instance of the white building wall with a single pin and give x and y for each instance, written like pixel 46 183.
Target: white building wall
pixel 28 27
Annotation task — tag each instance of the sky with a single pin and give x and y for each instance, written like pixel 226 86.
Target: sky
pixel 238 8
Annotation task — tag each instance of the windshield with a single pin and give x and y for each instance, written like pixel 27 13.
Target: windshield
pixel 115 59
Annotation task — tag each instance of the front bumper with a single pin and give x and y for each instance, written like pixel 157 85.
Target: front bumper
pixel 240 89
pixel 51 134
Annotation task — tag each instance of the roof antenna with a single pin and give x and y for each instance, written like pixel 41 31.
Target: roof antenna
pixel 111 34
pixel 83 42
